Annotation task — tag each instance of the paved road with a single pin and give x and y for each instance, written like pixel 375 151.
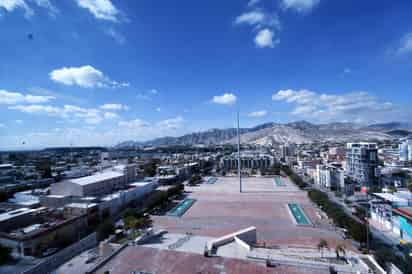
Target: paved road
pixel 375 232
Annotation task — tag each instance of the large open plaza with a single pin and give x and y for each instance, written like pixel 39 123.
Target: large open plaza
pixel 270 219
pixel 220 209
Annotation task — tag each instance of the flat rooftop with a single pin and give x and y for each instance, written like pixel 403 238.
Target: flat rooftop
pixel 220 209
pixel 98 177
pixel 151 260
pixel 15 213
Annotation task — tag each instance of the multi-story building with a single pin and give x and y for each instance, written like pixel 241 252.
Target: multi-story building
pixel 95 185
pixel 99 184
pixel 405 151
pixel 330 177
pixel 31 232
pixel 393 213
pixel 249 160
pixel 362 163
pixel 287 150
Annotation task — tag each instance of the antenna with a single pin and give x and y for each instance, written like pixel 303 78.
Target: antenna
pixel 238 154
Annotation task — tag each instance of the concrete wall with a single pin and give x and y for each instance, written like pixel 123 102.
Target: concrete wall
pixel 66 188
pixel 51 263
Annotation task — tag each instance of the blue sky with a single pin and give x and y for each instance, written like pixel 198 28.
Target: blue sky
pixel 97 72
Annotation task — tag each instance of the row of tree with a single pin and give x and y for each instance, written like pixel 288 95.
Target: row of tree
pixel 356 229
pixel 294 177
pixel 135 219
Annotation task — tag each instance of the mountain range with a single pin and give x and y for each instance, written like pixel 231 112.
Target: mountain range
pixel 296 132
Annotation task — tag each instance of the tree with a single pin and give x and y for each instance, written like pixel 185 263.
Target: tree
pixel 44 168
pixel 195 179
pixel 5 254
pixel 322 245
pixel 392 189
pixel 340 249
pixel 150 168
pixel 409 183
pixel 104 230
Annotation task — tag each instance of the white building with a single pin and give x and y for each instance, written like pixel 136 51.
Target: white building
pixel 330 176
pixel 99 184
pixel 96 185
pixel 405 151
pixel 113 203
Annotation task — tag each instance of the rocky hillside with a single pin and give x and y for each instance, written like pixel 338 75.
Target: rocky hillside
pixel 272 133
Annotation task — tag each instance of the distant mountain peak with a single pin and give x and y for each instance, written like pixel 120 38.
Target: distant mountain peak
pixel 273 133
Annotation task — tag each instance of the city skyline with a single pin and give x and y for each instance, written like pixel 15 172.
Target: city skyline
pixel 85 72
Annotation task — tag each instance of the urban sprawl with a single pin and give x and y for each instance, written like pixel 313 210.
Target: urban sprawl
pixel 295 208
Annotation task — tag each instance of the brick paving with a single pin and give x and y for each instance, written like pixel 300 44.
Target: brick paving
pixel 220 209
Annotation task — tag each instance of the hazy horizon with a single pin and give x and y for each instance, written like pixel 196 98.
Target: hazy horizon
pixel 99 73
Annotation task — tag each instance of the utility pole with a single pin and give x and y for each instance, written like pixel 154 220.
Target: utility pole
pixel 238 154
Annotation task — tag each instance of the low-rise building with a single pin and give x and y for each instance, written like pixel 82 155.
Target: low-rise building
pixel 96 185
pixel 393 213
pixel 31 232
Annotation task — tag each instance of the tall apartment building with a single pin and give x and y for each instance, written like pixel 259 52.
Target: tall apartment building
pixel 287 150
pixel 330 177
pixel 405 151
pixel 362 163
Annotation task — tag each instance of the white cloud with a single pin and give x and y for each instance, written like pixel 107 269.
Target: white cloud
pixel 264 23
pixel 158 109
pixel 225 99
pixel 85 76
pixel 265 39
pixel 147 95
pixel 173 123
pixel 101 9
pixel 253 3
pixel 117 36
pixel 11 98
pixel 258 114
pixel 110 115
pixel 156 129
pixel 2 125
pixel 114 107
pixel 258 19
pixel 11 5
pixel 348 106
pixel 19 122
pixel 300 5
pixel 251 18
pixel 134 124
pixel 70 112
pixel 406 44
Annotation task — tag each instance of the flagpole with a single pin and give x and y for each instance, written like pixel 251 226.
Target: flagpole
pixel 238 154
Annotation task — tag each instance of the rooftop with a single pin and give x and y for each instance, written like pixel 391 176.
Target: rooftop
pixel 136 258
pixel 98 177
pixel 390 198
pixel 404 211
pixel 15 213
pixel 80 205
